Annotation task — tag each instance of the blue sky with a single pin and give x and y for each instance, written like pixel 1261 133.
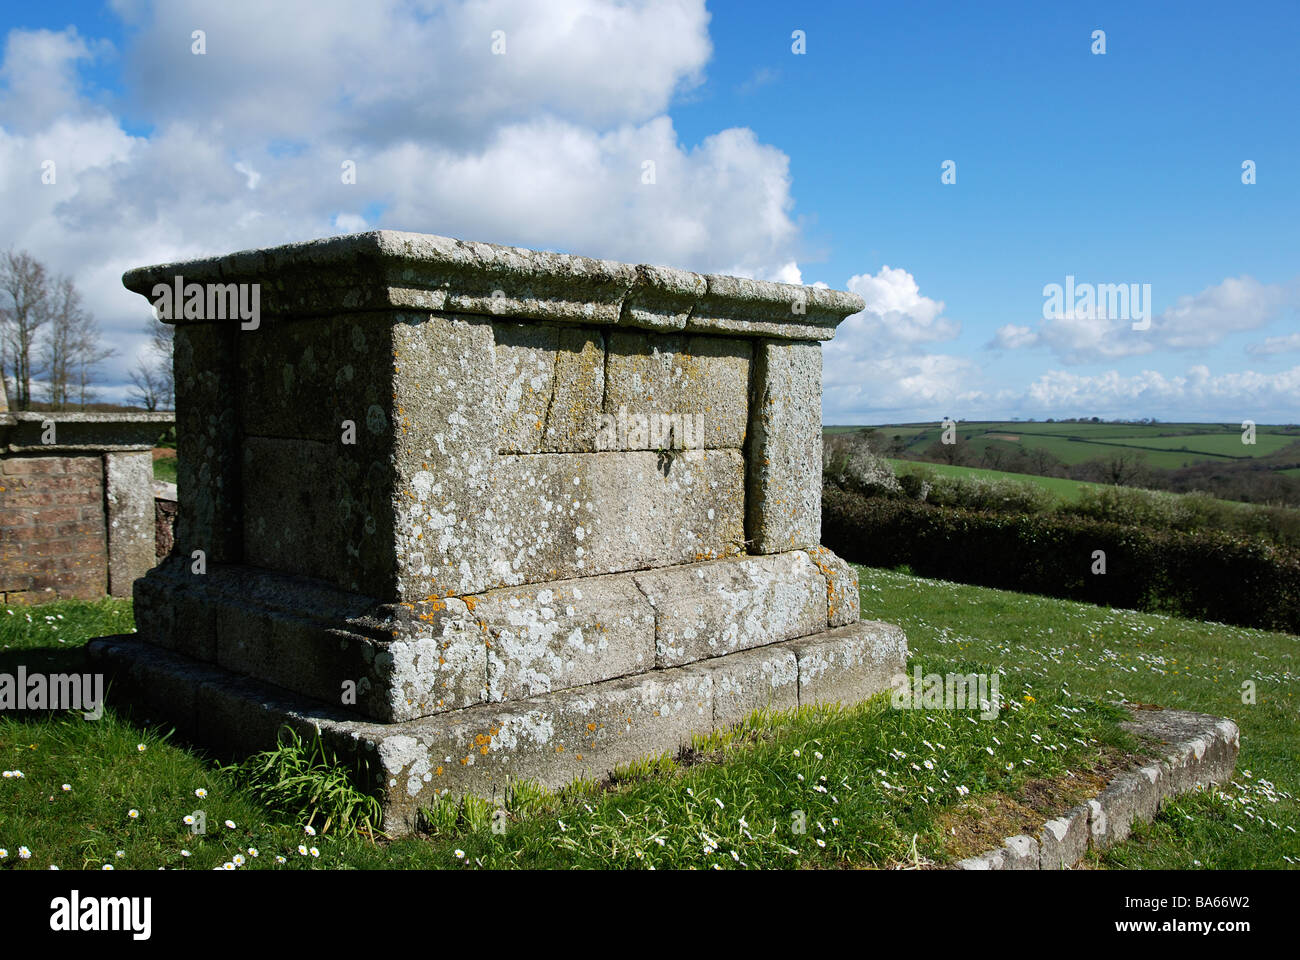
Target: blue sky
pixel 821 167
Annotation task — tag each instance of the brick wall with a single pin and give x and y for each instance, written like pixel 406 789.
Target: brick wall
pixel 52 534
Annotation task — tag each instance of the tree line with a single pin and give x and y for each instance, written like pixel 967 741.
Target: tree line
pixel 51 351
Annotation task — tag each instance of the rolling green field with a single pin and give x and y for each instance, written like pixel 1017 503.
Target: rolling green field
pixel 1167 446
pixel 1067 491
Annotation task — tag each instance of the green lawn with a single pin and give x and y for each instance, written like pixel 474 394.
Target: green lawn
pixel 164 468
pixel 873 786
pixel 1147 658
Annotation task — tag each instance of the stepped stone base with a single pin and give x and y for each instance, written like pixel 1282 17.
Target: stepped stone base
pixel 552 738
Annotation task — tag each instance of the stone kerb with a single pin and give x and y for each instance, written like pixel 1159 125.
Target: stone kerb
pixel 423 475
pixel 76 503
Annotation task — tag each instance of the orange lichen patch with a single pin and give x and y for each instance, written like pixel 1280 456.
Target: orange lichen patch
pixel 438 772
pixel 471 603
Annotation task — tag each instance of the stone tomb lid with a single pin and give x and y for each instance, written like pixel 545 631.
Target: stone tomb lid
pixel 25 431
pixel 392 270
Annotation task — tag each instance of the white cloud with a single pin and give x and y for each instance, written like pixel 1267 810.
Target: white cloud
pixel 876 367
pixel 896 312
pixel 392 70
pixel 1194 321
pixel 1275 345
pixel 544 146
pixel 38 76
pixel 1196 393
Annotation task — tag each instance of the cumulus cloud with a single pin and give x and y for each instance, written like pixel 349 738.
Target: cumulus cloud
pixel 1195 393
pixel 1194 321
pixel 550 144
pixel 877 362
pixel 1275 345
pixel 38 76
pixel 393 70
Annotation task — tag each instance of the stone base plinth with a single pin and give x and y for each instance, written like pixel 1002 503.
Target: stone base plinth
pixel 551 739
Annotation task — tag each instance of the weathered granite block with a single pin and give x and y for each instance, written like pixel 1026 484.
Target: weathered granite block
pixel 764 678
pixel 850 663
pixel 128 497
pixel 564 634
pixel 705 379
pixel 550 381
pixel 843 602
pixel 1063 842
pixel 557 515
pixel 208 441
pixel 733 605
pixel 1020 853
pixel 785 447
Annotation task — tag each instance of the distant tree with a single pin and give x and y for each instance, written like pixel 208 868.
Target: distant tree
pixel 25 286
pixel 71 348
pixel 148 386
pixel 162 344
pixel 45 332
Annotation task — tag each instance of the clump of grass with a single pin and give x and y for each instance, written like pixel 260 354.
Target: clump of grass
pixel 300 779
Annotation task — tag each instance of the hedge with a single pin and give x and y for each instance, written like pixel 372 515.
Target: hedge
pixel 1207 576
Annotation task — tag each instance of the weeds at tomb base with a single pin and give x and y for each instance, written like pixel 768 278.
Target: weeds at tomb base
pixel 865 787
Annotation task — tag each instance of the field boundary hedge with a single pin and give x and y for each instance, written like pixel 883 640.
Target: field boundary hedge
pixel 1205 575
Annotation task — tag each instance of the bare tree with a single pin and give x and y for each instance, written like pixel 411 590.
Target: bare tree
pixel 147 383
pixel 89 354
pixel 162 338
pixel 25 287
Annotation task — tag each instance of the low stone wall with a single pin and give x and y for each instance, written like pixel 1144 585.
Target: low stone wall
pixel 1194 750
pixel 76 515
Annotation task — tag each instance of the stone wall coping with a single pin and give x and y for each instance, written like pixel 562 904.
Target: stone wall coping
pixel 386 270
pixel 1193 750
pixel 21 432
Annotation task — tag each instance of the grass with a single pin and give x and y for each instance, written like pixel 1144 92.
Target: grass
pixel 1065 490
pixel 1144 658
pixel 164 468
pixel 1216 444
pixel 871 786
pixel 1167 446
